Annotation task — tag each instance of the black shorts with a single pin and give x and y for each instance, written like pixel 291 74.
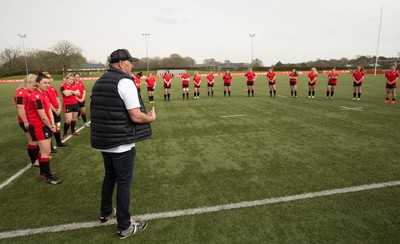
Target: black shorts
pixel 210 85
pixel 57 118
pixel 311 84
pixel 40 133
pixel 195 86
pixel 391 86
pixel 357 84
pixel 250 83
pixel 82 104
pixel 150 88
pixel 21 124
pixel 70 108
pixel 167 87
pixel 293 83
pixel 227 84
pixel 271 83
pixel 185 85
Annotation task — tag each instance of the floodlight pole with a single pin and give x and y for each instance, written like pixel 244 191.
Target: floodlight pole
pixel 23 36
pixel 377 46
pixel 252 38
pixel 147 52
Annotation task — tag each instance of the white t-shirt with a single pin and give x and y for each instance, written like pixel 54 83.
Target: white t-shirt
pixel 128 93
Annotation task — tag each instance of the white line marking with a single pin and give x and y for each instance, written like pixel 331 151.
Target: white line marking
pixel 195 211
pixel 355 109
pixel 232 116
pixel 15 176
pixel 280 96
pixel 9 180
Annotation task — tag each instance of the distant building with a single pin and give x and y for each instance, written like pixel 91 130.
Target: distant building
pixel 221 66
pixel 171 71
pixel 88 68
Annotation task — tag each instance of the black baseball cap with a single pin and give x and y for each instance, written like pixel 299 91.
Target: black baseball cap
pixel 121 54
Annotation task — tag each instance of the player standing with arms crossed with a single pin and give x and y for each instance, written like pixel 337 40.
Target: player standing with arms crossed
pixel 70 104
pixel 391 77
pixel 55 106
pixel 197 83
pixel 271 82
pixel 293 83
pixel 358 78
pixel 81 98
pixel 41 126
pixel 227 82
pixel 185 85
pixel 332 82
pixel 167 85
pixel 312 82
pixel 210 84
pixel 250 78
pixel 151 85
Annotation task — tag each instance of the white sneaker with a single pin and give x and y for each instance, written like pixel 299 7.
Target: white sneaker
pixel 87 124
pixel 358 99
pixel 354 98
pixel 312 97
pixel 309 97
pixel 110 216
pixel 135 228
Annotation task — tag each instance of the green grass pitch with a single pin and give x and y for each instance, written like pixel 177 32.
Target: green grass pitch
pixel 201 156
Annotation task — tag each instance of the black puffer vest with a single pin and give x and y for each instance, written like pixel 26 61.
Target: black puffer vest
pixel 111 125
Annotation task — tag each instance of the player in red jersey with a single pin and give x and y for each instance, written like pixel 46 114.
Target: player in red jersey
pixel 41 126
pixel 332 82
pixel 271 82
pixel 312 82
pixel 227 82
pixel 250 78
pixel 185 85
pixel 197 83
pixel 151 85
pixel 293 83
pixel 81 98
pixel 358 78
pixel 210 84
pixel 136 79
pixel 391 77
pixel 167 85
pixel 55 105
pixel 70 104
pixel 21 98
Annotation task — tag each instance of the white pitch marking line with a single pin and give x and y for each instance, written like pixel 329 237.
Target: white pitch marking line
pixel 9 180
pixel 195 211
pixel 281 96
pixel 355 109
pixel 15 176
pixel 232 116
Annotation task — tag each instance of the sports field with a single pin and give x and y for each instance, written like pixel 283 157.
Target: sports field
pixel 216 151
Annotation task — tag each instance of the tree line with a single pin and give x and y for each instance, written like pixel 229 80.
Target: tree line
pixel 62 56
pixel 65 55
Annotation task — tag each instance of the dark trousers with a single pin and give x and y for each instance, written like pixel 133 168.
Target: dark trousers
pixel 118 169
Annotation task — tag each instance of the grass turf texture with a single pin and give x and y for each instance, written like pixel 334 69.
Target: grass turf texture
pixel 282 146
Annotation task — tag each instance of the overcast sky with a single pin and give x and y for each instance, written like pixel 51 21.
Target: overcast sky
pixel 285 30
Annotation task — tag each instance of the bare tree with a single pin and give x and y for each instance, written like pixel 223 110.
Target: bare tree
pixel 210 61
pixel 68 54
pixel 257 63
pixel 11 60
